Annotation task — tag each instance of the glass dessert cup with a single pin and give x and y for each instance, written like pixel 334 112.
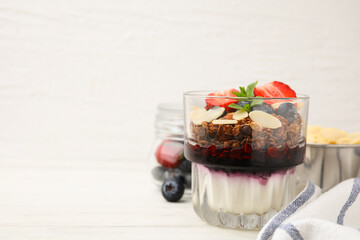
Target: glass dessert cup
pixel 243 165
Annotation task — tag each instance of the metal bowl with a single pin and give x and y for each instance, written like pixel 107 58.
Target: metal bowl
pixel 328 164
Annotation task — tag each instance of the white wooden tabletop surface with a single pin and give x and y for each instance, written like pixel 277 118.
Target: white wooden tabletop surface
pixel 94 200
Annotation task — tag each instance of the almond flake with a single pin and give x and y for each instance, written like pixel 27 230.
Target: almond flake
pixel 255 126
pixel 276 105
pixel 224 121
pixel 199 115
pixel 214 113
pixel 299 105
pixel 264 119
pixel 240 114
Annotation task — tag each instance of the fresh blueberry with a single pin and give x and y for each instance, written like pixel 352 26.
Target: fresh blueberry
pixel 185 166
pixel 173 189
pixel 288 111
pixel 158 173
pixel 242 103
pixel 264 107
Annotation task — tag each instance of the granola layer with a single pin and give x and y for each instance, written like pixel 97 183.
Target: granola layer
pixel 246 131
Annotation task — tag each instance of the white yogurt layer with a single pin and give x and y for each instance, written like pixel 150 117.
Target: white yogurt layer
pixel 241 193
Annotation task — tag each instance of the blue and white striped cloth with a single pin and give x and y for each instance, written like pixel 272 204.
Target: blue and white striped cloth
pixel 332 215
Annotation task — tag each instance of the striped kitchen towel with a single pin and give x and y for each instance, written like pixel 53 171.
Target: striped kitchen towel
pixel 332 215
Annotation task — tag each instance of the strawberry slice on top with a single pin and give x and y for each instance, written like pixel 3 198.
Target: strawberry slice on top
pixel 221 102
pixel 274 89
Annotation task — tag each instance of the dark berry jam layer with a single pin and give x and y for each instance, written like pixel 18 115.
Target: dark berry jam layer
pixel 262 176
pixel 246 158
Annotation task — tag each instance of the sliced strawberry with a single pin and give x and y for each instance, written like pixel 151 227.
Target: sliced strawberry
pixel 274 89
pixel 221 102
pixel 170 153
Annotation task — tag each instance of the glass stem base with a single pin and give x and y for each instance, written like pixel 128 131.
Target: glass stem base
pixel 239 201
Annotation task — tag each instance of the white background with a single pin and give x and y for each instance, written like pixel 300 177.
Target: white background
pixel 80 80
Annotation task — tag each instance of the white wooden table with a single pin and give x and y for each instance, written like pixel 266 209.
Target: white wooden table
pixel 94 200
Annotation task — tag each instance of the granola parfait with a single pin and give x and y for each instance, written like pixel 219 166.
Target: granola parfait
pixel 244 146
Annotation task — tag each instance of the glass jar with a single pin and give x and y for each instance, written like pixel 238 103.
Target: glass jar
pixel 243 163
pixel 167 154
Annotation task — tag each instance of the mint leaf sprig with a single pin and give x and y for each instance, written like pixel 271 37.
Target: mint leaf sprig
pixel 247 93
pixel 245 108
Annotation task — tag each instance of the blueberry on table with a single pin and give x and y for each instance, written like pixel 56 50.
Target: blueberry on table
pixel 179 178
pixel 288 111
pixel 173 190
pixel 185 166
pixel 264 107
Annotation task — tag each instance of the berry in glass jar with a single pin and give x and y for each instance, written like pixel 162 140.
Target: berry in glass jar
pixel 170 153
